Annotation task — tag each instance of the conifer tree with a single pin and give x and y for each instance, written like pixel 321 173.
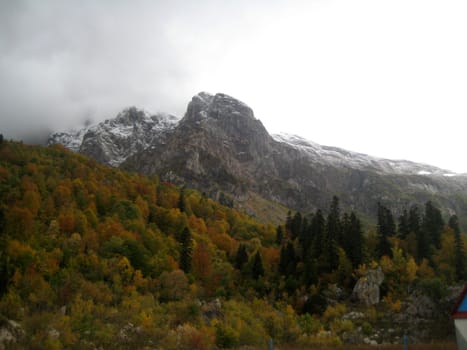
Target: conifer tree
pixel 296 225
pixel 186 249
pixel 288 260
pixel 305 238
pixel 403 229
pixel 317 228
pixel 257 269
pixel 459 257
pixel 242 257
pixel 181 201
pixel 332 236
pixel 385 229
pixel 433 225
pixel 414 220
pixel 288 224
pixel 279 235
pixel 353 244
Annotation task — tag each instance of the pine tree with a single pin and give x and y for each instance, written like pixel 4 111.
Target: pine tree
pixel 257 269
pixel 414 220
pixel 288 224
pixel 403 229
pixel 433 225
pixel 305 238
pixel 459 257
pixel 385 229
pixel 279 235
pixel 181 201
pixel 296 225
pixel 353 244
pixel 317 228
pixel 332 236
pixel 186 249
pixel 242 257
pixel 288 260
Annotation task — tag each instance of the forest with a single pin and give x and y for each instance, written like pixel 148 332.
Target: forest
pixel 95 257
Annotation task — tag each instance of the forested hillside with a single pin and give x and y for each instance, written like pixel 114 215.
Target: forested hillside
pixel 92 256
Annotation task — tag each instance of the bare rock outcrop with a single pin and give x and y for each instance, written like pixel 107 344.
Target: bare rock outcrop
pixel 367 288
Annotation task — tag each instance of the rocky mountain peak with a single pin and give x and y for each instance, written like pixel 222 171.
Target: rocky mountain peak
pixel 233 117
pixel 132 115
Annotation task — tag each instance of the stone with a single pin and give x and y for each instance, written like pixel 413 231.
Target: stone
pixel 367 288
pixel 10 333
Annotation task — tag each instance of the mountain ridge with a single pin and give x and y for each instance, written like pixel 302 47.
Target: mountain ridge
pixel 220 148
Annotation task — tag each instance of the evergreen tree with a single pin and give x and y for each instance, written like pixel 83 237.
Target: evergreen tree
pixel 181 201
pixel 333 223
pixel 288 224
pixel 186 250
pixel 305 238
pixel 433 225
pixel 296 225
pixel 414 220
pixel 242 257
pixel 1 139
pixel 403 229
pixel 288 260
pixel 317 228
pixel 385 229
pixel 332 237
pixel 257 269
pixel 279 235
pixel 459 257
pixel 353 233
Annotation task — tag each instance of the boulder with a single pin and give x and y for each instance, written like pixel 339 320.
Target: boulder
pixel 367 288
pixel 10 333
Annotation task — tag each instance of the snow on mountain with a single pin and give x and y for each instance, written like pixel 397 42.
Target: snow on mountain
pixel 338 156
pixel 114 140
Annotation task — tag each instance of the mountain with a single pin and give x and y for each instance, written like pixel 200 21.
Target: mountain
pixel 219 147
pixel 114 140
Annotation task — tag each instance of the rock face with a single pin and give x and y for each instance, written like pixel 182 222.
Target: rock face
pixel 366 290
pixel 114 140
pixel 220 148
pixel 10 334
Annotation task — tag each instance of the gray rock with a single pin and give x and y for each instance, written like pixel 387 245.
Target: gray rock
pixel 367 288
pixel 10 333
pixel 220 148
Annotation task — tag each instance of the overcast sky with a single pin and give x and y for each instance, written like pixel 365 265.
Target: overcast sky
pixel 382 77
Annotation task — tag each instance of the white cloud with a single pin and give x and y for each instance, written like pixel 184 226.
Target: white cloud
pixel 381 77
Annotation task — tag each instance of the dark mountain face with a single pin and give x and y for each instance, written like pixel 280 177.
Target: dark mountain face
pixel 220 148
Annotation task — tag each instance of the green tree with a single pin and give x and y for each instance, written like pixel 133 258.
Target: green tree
pixel 433 224
pixel 317 228
pixel 332 237
pixel 385 229
pixel 353 242
pixel 186 249
pixel 403 229
pixel 288 259
pixel 242 257
pixel 459 254
pixel 279 235
pixel 257 268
